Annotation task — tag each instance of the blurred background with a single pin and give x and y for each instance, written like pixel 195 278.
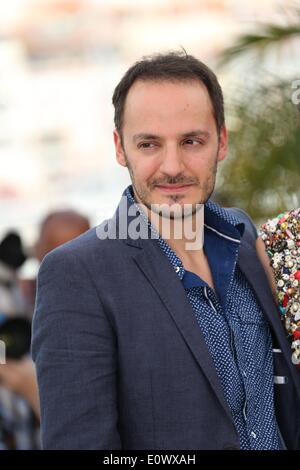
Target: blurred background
pixel 60 61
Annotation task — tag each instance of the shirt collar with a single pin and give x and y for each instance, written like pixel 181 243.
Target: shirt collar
pixel 222 221
pixel 216 218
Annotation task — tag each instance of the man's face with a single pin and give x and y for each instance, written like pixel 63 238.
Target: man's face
pixel 170 142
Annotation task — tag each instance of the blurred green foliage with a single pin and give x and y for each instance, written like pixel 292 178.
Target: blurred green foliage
pixel 262 171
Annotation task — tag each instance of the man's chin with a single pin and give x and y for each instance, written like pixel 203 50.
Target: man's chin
pixel 172 207
pixel 175 210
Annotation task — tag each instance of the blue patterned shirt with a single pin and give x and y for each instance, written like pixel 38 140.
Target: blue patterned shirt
pixel 233 326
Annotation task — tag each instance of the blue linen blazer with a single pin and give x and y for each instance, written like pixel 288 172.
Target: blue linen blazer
pixel 121 361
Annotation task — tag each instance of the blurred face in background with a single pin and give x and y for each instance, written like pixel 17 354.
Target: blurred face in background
pixel 59 228
pixel 170 142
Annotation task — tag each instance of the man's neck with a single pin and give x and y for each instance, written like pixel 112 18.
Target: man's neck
pixel 184 235
pixel 186 238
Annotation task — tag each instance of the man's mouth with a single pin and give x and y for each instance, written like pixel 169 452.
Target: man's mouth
pixel 173 188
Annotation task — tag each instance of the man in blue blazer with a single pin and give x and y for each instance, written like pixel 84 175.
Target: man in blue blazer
pixel 144 339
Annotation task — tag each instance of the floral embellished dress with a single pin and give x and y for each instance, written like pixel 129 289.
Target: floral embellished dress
pixel 281 237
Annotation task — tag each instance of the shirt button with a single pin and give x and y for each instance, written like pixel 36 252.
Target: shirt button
pixel 177 269
pixel 253 434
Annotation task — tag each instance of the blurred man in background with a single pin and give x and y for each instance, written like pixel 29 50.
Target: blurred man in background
pixel 18 392
pixel 19 401
pixel 57 228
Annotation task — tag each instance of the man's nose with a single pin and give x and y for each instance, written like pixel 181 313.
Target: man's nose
pixel 171 163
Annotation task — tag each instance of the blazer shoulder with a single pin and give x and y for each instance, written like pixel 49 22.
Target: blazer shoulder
pixel 243 217
pixel 87 249
pixel 74 246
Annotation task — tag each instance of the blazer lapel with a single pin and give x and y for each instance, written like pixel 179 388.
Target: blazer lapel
pixel 157 269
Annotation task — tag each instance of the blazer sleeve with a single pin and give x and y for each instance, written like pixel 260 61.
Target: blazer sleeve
pixel 74 350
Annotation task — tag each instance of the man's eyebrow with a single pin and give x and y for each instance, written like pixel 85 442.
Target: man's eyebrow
pixel 196 133
pixel 145 136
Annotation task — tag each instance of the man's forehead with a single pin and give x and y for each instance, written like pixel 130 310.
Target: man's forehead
pixel 143 87
pixel 165 98
pixel 162 108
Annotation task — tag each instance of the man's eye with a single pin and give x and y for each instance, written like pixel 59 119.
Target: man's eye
pixel 146 145
pixel 192 142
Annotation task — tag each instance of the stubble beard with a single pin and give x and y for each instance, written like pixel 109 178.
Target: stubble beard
pixel 143 194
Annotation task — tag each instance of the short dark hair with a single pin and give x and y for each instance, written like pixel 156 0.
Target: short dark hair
pixel 173 66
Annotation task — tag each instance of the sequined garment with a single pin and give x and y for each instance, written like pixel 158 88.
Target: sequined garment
pixel 281 236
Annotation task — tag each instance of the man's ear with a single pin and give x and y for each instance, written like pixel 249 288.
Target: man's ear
pixel 223 144
pixel 119 149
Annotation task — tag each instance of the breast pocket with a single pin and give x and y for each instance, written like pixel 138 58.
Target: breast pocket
pixel 246 316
